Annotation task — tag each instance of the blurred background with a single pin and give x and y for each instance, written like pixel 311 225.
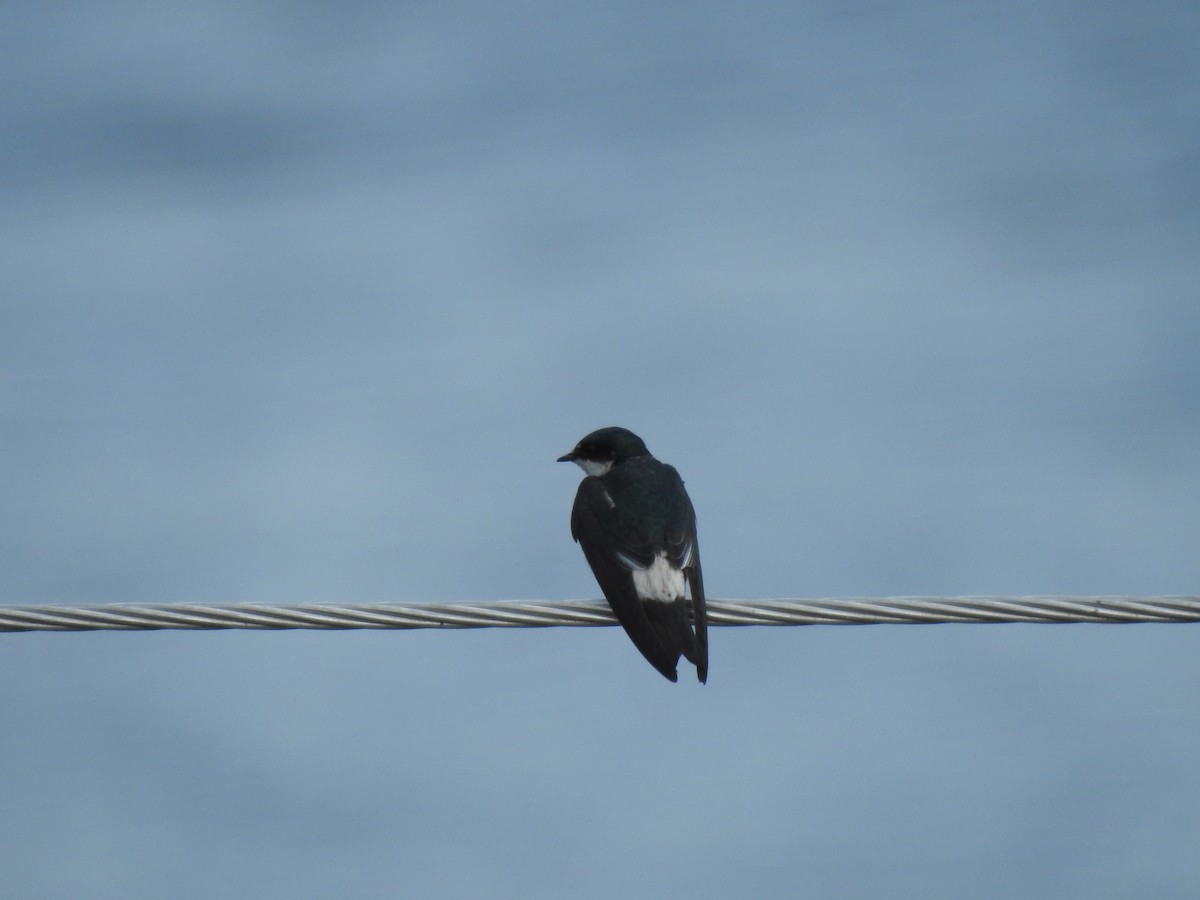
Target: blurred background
pixel 301 302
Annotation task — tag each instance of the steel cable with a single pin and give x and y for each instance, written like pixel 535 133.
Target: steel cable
pixel 543 613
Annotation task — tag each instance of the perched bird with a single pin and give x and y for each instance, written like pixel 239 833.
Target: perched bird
pixel 637 529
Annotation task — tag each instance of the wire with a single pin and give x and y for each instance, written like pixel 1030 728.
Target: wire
pixel 543 613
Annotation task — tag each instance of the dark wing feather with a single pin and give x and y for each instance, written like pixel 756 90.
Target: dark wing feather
pixel 603 532
pixel 683 551
pixel 699 617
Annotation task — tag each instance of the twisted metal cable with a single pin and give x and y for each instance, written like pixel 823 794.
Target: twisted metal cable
pixel 537 614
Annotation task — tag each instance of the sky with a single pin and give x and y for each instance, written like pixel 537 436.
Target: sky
pixel 300 304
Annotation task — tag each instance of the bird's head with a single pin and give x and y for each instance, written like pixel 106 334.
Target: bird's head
pixel 601 450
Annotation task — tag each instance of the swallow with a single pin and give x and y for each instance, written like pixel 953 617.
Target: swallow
pixel 637 528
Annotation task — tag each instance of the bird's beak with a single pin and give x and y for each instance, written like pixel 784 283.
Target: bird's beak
pixel 568 457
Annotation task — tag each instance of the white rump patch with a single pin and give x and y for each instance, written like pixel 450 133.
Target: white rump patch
pixel 659 581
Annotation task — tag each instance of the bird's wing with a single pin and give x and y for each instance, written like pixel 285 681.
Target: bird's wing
pixel 609 543
pixel 699 616
pixel 683 552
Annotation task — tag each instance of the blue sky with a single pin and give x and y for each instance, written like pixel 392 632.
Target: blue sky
pixel 301 305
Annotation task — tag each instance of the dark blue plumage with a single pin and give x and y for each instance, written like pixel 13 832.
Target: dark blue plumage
pixel 636 525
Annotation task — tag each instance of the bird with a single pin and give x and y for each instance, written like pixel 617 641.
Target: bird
pixel 637 528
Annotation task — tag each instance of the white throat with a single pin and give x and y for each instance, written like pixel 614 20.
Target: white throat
pixel 594 466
